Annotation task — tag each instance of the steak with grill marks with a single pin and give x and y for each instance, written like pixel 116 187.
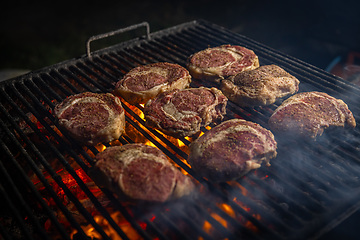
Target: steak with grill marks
pixel 308 114
pixel 145 82
pixel 217 63
pixel 231 149
pixel 140 172
pixel 259 87
pixel 91 118
pixel 181 113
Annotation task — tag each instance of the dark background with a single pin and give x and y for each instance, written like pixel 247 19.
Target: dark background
pixel 38 34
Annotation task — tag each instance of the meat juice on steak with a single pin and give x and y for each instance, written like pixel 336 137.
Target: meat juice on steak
pixel 308 114
pixel 145 82
pixel 260 86
pixel 217 63
pixel 140 172
pixel 91 118
pixel 181 113
pixel 231 149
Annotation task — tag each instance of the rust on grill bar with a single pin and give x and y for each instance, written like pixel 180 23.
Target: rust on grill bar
pixel 46 192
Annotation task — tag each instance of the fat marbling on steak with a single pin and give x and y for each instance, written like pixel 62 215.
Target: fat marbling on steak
pixel 308 114
pixel 217 63
pixel 231 149
pixel 259 87
pixel 91 118
pixel 181 113
pixel 140 172
pixel 145 82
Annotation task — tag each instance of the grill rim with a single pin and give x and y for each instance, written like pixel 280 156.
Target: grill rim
pixel 137 42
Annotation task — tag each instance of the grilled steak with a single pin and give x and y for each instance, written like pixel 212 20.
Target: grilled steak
pixel 260 86
pixel 145 82
pixel 181 113
pixel 308 114
pixel 139 172
pixel 231 149
pixel 215 64
pixel 91 118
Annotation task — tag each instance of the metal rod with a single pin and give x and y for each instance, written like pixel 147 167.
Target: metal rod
pixel 119 31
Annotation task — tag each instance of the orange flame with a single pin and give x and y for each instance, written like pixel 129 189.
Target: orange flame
pixel 125 226
pixel 208 228
pixel 248 224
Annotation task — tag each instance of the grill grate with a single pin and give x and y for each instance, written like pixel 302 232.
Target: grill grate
pixel 47 193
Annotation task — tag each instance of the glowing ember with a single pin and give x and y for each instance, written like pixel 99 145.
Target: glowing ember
pixel 180 143
pixel 228 209
pixel 135 135
pixel 209 228
pixel 100 147
pixel 248 223
pixel 125 226
pixel 150 144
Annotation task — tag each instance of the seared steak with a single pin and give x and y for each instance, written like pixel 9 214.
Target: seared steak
pixel 91 118
pixel 139 172
pixel 308 114
pixel 231 149
pixel 260 86
pixel 181 113
pixel 215 64
pixel 145 82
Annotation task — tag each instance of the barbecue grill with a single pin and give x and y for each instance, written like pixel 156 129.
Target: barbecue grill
pixel 46 192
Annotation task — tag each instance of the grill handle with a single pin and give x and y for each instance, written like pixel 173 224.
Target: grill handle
pixel 112 33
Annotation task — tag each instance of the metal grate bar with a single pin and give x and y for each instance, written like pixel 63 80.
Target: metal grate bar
pixel 30 184
pixel 58 180
pixel 85 189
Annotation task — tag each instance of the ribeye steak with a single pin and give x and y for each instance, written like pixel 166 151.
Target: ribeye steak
pixel 217 63
pixel 308 114
pixel 231 149
pixel 140 172
pixel 91 118
pixel 181 113
pixel 260 86
pixel 145 82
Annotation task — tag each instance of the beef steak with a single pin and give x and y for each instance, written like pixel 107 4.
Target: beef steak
pixel 308 114
pixel 145 82
pixel 231 149
pixel 181 113
pixel 139 172
pixel 260 86
pixel 91 118
pixel 217 63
